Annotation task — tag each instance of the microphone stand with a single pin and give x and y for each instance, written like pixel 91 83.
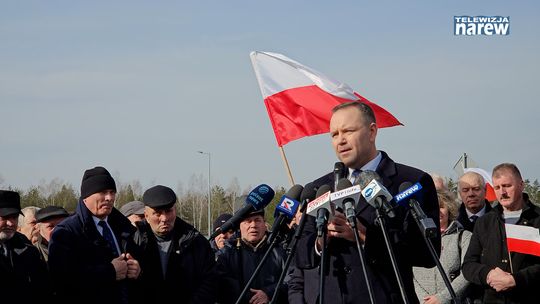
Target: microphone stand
pixel 322 230
pixel 382 222
pixel 351 217
pixel 425 230
pixel 291 250
pixel 258 269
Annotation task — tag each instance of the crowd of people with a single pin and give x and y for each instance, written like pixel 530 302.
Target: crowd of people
pixel 146 253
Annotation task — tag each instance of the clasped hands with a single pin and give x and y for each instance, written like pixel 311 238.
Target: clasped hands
pixel 126 267
pixel 500 280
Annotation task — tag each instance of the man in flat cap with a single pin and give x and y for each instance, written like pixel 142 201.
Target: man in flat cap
pixel 236 265
pixel 22 272
pixel 47 218
pixel 176 256
pixel 92 253
pixel 134 211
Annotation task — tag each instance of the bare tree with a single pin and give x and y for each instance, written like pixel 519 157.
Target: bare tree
pixel 197 186
pixel 49 189
pixel 233 191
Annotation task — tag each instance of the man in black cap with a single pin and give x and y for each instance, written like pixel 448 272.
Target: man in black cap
pixel 22 272
pixel 47 218
pixel 176 256
pixel 93 250
pixel 236 265
pixel 221 240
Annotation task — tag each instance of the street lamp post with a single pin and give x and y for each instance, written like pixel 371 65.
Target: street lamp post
pixel 209 192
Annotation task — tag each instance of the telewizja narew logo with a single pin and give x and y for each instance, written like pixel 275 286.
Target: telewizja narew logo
pixel 481 25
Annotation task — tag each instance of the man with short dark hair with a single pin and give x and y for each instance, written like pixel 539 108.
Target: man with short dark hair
pixel 176 257
pixel 505 277
pixel 353 132
pixel 23 275
pixel 92 253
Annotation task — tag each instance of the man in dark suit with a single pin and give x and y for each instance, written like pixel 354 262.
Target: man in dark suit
pixel 472 191
pixel 353 130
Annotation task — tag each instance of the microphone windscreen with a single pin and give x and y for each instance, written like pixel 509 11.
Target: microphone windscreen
pixel 322 190
pixel 261 196
pixel 404 186
pixel 339 169
pixel 343 184
pixel 366 177
pixel 294 192
pixel 308 193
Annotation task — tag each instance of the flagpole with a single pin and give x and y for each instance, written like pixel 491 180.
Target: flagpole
pixel 286 163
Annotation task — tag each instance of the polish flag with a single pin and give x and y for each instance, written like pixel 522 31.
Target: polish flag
pixel 299 99
pixel 523 239
pixel 490 192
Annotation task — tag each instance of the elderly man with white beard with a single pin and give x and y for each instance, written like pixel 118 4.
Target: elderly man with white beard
pixel 23 275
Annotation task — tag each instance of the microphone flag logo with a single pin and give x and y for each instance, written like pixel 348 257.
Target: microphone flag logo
pixel 287 206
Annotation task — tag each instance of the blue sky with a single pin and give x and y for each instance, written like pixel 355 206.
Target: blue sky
pixel 140 86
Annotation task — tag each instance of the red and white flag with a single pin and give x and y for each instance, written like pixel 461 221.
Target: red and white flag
pixel 299 99
pixel 490 192
pixel 523 239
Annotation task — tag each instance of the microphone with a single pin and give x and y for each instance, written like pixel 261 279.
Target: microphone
pixel 340 171
pixel 346 198
pixel 375 193
pixel 406 193
pixel 257 199
pixel 321 208
pixel 308 194
pixel 285 211
pixel 345 192
pixel 322 201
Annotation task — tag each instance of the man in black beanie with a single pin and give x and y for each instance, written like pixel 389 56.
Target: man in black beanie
pixel 94 248
pixel 176 256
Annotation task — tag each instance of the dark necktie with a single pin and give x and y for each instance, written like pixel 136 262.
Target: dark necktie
pixel 473 218
pixel 107 235
pixel 354 176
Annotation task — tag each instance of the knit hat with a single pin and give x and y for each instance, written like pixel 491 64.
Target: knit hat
pixel 96 180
